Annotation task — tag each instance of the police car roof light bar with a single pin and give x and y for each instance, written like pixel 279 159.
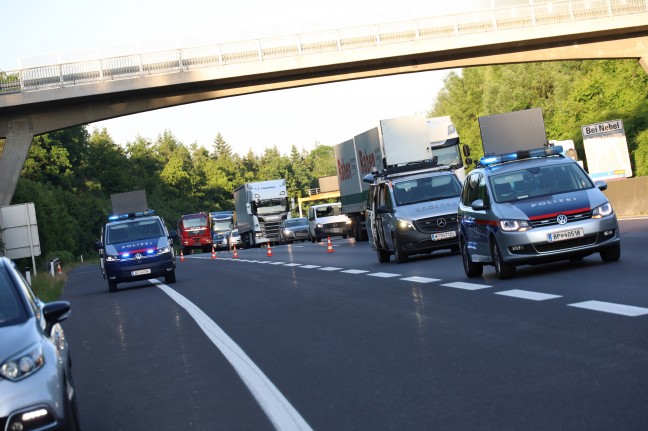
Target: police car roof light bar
pixel 146 213
pixel 519 155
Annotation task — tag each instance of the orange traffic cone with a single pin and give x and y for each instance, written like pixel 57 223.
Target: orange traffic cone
pixel 269 254
pixel 329 246
pixel 181 256
pixel 213 252
pixel 235 256
pixel 58 268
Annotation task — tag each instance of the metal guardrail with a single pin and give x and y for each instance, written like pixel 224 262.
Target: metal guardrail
pixel 537 13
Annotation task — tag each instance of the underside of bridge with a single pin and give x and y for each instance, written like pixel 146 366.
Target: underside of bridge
pixel 95 102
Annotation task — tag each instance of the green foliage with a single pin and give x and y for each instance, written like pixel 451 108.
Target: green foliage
pixel 571 94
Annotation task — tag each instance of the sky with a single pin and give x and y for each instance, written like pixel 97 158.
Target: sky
pixel 46 32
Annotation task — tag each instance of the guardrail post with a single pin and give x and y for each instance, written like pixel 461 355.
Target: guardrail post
pixel 28 275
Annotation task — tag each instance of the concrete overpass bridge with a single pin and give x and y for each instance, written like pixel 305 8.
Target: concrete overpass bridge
pixel 38 100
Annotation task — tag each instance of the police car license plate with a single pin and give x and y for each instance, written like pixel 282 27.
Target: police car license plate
pixel 141 271
pixel 566 234
pixel 443 235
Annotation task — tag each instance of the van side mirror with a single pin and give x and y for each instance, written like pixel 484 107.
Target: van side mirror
pixel 601 184
pixel 478 205
pixel 382 209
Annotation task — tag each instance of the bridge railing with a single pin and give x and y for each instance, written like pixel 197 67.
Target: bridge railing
pixel 537 13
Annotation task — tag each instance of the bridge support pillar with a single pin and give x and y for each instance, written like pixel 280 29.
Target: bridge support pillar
pixel 12 160
pixel 644 63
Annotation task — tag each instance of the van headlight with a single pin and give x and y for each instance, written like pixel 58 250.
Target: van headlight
pixel 602 210
pixel 405 224
pixel 164 250
pixel 514 225
pixel 110 258
pixel 23 364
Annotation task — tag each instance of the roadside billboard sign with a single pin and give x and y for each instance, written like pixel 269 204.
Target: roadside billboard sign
pixel 20 231
pixel 606 150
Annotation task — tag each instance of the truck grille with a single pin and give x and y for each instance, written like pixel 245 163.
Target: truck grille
pixel 442 223
pixel 271 229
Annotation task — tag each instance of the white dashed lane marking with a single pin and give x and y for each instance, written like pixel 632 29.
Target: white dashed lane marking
pixel 606 307
pixel 611 307
pixel 383 275
pixel 417 279
pixel 526 294
pixel 466 286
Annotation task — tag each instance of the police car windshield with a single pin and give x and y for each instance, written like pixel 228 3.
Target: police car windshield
pixel 133 230
pixel 539 181
pixel 416 190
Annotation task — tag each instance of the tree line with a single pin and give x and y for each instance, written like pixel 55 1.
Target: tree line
pixel 70 174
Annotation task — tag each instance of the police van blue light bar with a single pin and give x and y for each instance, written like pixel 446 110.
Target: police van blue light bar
pixel 146 213
pixel 519 155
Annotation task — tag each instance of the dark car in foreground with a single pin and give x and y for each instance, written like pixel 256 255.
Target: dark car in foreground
pixel 295 229
pixel 36 388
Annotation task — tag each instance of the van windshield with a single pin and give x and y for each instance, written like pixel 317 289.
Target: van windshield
pixel 328 211
pixel 133 231
pixel 415 190
pixel 539 181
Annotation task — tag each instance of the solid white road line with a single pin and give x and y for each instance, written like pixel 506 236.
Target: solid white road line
pixel 611 307
pixel 527 294
pixel 278 409
pixel 466 286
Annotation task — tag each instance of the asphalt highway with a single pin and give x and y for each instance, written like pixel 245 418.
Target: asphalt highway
pixel 313 339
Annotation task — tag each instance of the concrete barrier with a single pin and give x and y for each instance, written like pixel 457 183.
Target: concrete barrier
pixel 629 197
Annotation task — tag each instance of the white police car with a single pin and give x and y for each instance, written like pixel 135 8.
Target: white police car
pixel 136 246
pixel 533 206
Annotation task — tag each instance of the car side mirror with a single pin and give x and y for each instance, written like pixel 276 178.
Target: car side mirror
pixel 55 312
pixel 173 234
pixel 478 205
pixel 99 245
pixel 601 184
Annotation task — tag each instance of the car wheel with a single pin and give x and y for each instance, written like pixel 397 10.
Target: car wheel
pixel 399 254
pixel 112 286
pixel 383 255
pixel 611 254
pixel 170 277
pixel 471 269
pixel 345 236
pixel 502 269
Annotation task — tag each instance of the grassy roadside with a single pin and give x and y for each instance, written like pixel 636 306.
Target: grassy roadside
pixel 49 288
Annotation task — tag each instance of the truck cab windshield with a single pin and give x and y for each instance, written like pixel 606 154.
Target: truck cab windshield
pixel 448 156
pixel 270 206
pixel 199 221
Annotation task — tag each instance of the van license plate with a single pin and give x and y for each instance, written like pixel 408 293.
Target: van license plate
pixel 443 235
pixel 566 234
pixel 141 272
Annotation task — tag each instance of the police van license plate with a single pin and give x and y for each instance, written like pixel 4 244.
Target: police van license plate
pixel 443 235
pixel 566 234
pixel 141 272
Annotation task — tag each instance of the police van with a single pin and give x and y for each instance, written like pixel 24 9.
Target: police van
pixel 533 206
pixel 136 246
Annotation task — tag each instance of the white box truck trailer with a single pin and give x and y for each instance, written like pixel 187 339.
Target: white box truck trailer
pixel 395 142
